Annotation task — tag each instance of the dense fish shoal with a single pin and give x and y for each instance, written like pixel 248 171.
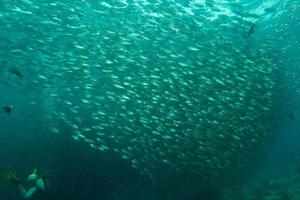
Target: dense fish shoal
pixel 174 87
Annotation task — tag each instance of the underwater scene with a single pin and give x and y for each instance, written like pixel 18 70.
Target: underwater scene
pixel 150 100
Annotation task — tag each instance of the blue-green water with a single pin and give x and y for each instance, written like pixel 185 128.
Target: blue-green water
pixel 149 99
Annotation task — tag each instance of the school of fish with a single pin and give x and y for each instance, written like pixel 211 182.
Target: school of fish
pixel 174 87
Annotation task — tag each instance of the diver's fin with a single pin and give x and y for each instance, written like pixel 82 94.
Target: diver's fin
pixel 8 176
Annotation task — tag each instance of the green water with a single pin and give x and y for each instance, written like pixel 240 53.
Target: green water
pixel 186 92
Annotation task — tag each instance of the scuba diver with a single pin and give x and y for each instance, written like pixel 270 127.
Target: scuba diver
pixel 34 178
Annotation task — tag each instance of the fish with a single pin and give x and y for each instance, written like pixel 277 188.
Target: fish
pixel 172 88
pixel 16 72
pixel 251 29
pixel 7 109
